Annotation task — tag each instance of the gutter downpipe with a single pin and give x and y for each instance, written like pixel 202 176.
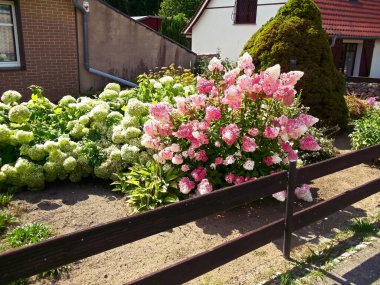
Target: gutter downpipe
pixel 86 53
pixel 333 41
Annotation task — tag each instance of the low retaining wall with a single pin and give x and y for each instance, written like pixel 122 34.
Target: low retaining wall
pixel 364 89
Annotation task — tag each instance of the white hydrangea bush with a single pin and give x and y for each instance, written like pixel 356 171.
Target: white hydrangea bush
pixel 78 137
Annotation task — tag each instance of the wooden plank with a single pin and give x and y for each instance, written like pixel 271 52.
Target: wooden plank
pixel 288 226
pixel 316 170
pixel 71 247
pixel 204 262
pixel 339 202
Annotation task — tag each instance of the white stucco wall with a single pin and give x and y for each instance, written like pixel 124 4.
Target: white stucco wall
pixel 375 66
pixel 215 29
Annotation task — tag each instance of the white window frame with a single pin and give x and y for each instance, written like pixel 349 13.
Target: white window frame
pixel 15 33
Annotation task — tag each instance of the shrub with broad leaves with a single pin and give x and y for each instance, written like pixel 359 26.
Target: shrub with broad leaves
pixel 367 130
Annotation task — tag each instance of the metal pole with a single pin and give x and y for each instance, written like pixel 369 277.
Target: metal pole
pixel 292 173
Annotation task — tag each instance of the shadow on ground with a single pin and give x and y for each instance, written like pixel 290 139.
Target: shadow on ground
pixel 68 193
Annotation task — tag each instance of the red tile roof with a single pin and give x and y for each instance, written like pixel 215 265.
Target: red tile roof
pixel 359 18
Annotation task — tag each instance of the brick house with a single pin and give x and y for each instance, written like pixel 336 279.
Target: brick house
pixel 353 27
pixel 42 42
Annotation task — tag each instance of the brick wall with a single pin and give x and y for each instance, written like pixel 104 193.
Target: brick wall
pixel 50 48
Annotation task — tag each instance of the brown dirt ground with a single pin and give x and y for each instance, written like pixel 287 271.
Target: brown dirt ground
pixel 67 207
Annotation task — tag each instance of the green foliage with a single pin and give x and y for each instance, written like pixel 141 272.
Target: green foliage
pixel 171 8
pixel 201 65
pixel 172 28
pixel 296 31
pixel 6 219
pixel 165 84
pixel 28 234
pixel 363 226
pixel 5 199
pixel 149 186
pixel 136 7
pixel 367 130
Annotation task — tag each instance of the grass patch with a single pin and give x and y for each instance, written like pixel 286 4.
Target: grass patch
pixel 6 219
pixel 5 199
pixel 28 234
pixel 287 278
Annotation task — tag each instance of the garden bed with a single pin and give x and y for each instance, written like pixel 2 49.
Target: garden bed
pixel 68 207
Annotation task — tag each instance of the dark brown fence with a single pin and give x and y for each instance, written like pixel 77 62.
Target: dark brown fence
pixel 61 250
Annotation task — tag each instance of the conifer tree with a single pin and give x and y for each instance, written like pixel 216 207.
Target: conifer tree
pixel 296 32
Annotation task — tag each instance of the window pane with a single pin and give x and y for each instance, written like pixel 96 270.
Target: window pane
pixel 246 11
pixel 7 44
pixel 5 14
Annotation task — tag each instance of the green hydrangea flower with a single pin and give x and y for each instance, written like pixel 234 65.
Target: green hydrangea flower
pixel 130 154
pixel 136 108
pixel 66 100
pixel 109 95
pixel 118 137
pixel 114 118
pixel 5 133
pixel 113 86
pixel 130 121
pixel 10 97
pixel 19 114
pixel 23 137
pixel 132 132
pixel 70 164
pixel 37 152
pixel 99 113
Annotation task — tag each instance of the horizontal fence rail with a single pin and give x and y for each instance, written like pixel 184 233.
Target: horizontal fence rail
pixel 39 257
pixel 61 250
pixel 319 169
pixel 206 261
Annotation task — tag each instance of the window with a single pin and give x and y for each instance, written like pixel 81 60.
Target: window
pixel 245 11
pixel 347 60
pixel 9 46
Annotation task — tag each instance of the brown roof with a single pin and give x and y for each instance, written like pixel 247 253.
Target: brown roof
pixel 357 19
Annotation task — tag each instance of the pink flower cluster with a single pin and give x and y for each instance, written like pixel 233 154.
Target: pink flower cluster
pixel 232 130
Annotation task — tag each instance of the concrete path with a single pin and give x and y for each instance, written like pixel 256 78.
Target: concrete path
pixel 361 268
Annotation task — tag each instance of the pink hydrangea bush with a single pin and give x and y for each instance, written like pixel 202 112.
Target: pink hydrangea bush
pixel 239 126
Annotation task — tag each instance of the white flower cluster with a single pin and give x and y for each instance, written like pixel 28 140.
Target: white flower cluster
pixel 112 125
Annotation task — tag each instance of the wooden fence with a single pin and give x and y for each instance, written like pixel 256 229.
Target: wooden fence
pixel 61 250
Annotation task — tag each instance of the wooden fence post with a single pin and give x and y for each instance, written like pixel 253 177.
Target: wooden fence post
pixel 292 173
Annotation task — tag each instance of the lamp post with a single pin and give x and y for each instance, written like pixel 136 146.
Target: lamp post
pixel 293 63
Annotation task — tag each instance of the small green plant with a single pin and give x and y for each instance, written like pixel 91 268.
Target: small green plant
pixel 5 199
pixel 287 278
pixel 6 219
pixel 28 234
pixel 363 226
pixel 148 187
pixel 367 130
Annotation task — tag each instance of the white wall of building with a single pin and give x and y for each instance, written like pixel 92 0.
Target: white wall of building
pixel 216 31
pixel 375 66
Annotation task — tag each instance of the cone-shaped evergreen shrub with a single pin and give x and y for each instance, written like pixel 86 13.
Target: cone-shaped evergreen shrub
pixel 296 31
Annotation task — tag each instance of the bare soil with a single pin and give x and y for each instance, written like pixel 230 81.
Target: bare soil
pixel 67 207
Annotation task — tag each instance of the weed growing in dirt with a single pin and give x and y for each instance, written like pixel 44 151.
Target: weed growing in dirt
pixel 6 219
pixel 287 278
pixel 5 199
pixel 363 226
pixel 28 234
